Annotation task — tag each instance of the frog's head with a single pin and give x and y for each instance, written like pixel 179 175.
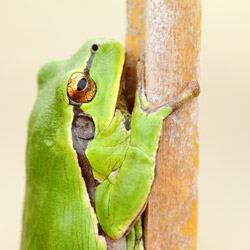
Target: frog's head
pixel 96 86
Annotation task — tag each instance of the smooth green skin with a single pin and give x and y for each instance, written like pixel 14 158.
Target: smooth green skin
pixel 57 211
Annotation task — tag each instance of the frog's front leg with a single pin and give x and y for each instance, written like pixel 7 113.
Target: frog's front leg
pixel 146 122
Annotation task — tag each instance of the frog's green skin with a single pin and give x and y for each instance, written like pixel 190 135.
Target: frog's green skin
pixel 57 212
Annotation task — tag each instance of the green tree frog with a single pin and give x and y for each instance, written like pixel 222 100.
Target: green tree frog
pixel 90 163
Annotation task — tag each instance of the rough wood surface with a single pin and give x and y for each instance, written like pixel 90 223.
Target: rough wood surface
pixel 169 31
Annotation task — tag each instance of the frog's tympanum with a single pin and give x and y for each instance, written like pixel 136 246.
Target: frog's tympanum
pixel 90 162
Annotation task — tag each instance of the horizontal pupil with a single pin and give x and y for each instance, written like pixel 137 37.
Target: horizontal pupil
pixel 81 84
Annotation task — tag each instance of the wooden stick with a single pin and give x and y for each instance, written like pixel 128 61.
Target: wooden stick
pixel 169 31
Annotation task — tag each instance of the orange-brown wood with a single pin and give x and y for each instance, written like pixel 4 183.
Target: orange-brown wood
pixel 135 42
pixel 169 31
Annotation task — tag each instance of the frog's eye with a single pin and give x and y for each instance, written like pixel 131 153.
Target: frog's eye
pixel 81 88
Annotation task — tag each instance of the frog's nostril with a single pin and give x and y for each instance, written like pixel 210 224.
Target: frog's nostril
pixel 94 47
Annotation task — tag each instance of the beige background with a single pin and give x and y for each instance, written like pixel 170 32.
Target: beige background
pixel 33 32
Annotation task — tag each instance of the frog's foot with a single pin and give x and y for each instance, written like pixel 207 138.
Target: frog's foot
pixel 191 91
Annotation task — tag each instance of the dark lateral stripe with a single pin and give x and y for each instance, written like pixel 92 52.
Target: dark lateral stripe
pixel 89 62
pixel 82 132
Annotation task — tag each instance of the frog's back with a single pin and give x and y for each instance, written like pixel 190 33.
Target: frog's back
pixel 57 212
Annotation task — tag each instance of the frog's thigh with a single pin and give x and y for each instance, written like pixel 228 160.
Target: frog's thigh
pixel 132 185
pixel 119 203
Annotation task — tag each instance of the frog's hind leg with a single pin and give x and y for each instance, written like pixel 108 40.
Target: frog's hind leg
pixel 135 237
